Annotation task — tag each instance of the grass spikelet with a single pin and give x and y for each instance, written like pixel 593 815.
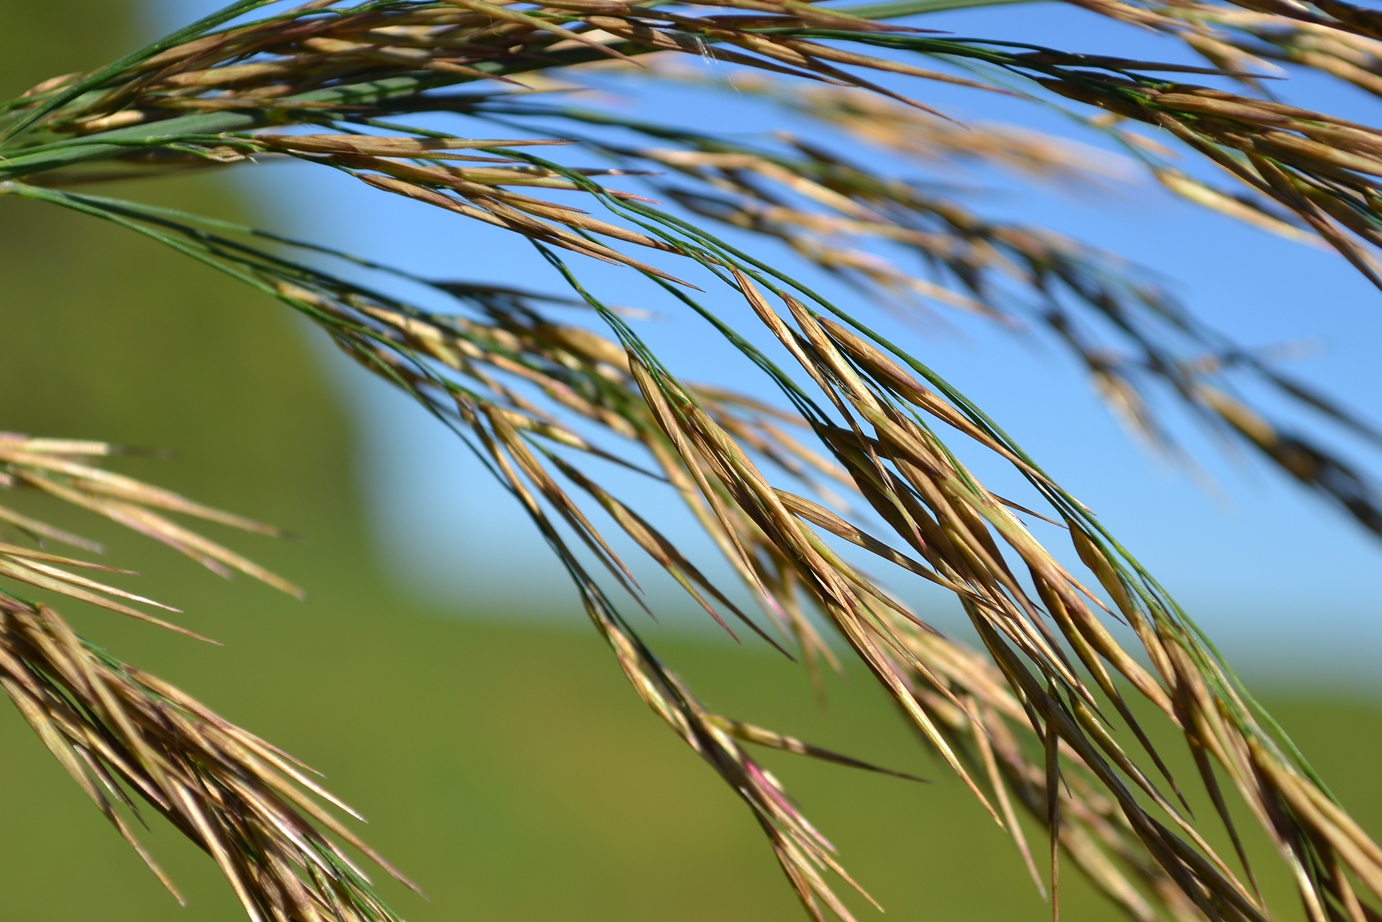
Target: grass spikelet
pixel 65 470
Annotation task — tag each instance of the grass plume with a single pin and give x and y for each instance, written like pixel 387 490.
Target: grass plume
pixel 1028 723
pixel 122 733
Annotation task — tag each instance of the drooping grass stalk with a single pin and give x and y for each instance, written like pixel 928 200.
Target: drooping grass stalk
pixel 121 732
pixel 1028 723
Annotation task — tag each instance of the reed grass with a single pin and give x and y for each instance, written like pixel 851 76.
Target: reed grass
pixel 1029 722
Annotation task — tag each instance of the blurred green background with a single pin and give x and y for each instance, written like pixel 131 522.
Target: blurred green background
pixel 508 769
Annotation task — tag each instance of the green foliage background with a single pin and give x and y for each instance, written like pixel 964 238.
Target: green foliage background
pixel 508 768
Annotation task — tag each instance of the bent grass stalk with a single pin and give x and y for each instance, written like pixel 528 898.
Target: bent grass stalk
pixel 1028 723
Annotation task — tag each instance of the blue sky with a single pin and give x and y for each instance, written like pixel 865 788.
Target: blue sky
pixel 1258 561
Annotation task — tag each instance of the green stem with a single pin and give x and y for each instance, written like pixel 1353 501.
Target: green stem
pixel 135 57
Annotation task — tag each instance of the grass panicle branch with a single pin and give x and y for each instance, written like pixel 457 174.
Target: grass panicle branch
pixel 847 462
pixel 123 734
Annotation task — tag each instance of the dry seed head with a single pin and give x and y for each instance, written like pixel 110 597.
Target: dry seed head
pixel 507 379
